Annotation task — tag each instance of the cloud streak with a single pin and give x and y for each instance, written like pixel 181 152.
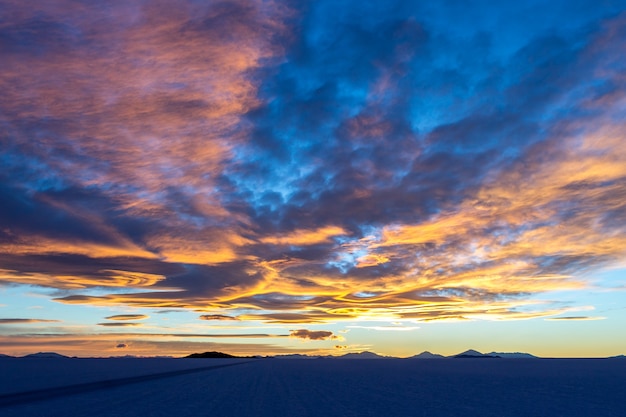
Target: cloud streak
pixel 575 318
pixel 26 321
pixel 216 317
pixel 312 334
pixel 124 317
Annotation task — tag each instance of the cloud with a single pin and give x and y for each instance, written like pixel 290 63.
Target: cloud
pixel 67 271
pixel 81 214
pixel 119 324
pixel 253 158
pixel 127 317
pixel 575 318
pixel 305 237
pixel 121 346
pixel 312 335
pixel 25 321
pixel 286 318
pixel 216 317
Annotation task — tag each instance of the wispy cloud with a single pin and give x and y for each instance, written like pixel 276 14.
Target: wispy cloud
pixel 26 321
pixel 127 317
pixel 313 334
pixel 216 317
pixel 575 318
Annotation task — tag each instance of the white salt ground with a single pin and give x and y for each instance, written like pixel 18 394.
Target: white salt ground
pixel 327 387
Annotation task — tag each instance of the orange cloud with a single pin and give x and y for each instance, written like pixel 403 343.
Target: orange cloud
pixel 287 318
pixel 152 123
pixel 371 260
pixel 306 237
pixel 105 278
pixel 44 245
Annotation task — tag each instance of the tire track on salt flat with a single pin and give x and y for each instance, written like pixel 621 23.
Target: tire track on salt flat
pixel 24 397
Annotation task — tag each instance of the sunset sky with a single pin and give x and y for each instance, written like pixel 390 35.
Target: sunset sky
pixel 271 177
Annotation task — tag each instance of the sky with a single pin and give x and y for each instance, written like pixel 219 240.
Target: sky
pixel 272 177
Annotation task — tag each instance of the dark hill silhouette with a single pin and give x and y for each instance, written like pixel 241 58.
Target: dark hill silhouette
pixel 361 355
pixel 214 355
pixel 427 355
pixel 46 355
pixel 472 354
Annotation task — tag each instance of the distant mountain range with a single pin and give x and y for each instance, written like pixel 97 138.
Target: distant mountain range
pixel 362 355
pixel 474 354
pixel 468 354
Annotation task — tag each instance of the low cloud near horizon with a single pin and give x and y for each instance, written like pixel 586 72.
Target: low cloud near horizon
pixel 312 335
pixel 25 321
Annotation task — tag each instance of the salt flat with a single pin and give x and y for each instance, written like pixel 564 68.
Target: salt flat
pixel 323 387
pixel 21 375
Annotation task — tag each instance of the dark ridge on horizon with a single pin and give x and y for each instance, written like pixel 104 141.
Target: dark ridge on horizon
pixel 215 355
pixel 476 357
pixel 427 355
pixel 46 355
